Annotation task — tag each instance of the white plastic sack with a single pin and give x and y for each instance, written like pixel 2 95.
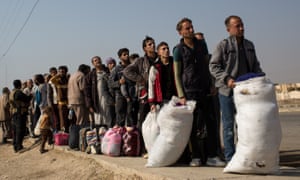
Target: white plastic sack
pixel 258 127
pixel 175 123
pixel 37 130
pixel 150 130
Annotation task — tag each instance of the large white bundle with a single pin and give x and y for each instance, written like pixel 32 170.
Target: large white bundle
pixel 175 124
pixel 259 129
pixel 150 130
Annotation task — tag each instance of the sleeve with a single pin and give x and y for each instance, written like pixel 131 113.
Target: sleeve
pixel 88 90
pixel 152 76
pixel 50 94
pixel 177 72
pixel 55 80
pixel 105 90
pixel 81 83
pixel 113 78
pixel 215 66
pixel 132 71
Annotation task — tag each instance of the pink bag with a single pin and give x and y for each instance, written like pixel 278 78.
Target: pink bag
pixel 112 142
pixel 61 139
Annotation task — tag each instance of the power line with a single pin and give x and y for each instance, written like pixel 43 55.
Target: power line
pixel 6 31
pixel 19 32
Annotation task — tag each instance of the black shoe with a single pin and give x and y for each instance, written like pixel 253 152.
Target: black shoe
pixel 17 149
pixel 43 151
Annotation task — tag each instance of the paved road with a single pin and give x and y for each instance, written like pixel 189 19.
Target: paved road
pixel 290 144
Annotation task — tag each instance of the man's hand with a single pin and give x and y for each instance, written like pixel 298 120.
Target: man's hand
pixel 91 110
pixel 122 80
pixel 153 108
pixel 231 83
pixel 182 101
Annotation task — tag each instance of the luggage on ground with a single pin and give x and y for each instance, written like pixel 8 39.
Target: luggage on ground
pixel 74 136
pixel 131 143
pixel 61 138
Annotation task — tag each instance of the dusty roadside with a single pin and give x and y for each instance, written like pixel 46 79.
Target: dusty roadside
pixel 30 164
pixel 59 163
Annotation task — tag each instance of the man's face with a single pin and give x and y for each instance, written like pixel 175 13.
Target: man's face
pixel 111 66
pixel 62 72
pixel 236 27
pixel 97 62
pixel 29 83
pixel 53 73
pixel 163 51
pixel 150 47
pixel 124 57
pixel 187 30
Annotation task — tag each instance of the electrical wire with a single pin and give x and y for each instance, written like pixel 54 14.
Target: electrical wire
pixel 6 30
pixel 19 32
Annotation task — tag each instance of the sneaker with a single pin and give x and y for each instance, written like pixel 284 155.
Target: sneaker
pixel 195 162
pixel 215 161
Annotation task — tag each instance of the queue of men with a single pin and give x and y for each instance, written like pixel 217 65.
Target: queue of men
pixel 121 95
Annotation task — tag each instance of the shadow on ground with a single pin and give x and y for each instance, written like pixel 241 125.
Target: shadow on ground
pixel 290 158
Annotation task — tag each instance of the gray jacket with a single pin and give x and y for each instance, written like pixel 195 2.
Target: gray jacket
pixel 224 62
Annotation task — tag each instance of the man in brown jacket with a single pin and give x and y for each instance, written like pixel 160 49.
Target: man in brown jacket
pixel 76 99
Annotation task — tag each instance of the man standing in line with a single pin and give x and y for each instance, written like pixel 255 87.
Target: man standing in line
pixel 97 94
pixel 116 81
pixel 76 98
pixel 19 109
pixel 213 143
pixel 60 81
pixel 233 57
pixel 193 82
pixel 30 90
pixel 52 100
pixel 138 72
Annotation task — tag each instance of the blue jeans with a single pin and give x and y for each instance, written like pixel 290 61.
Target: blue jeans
pixel 228 113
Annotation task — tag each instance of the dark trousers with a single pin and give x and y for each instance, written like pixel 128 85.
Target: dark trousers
pixel 213 144
pixel 19 130
pixel 46 134
pixel 198 136
pixel 132 112
pixel 121 110
pixel 55 118
pixel 111 115
pixel 144 109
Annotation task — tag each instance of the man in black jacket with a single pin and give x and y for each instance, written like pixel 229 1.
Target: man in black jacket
pixel 19 110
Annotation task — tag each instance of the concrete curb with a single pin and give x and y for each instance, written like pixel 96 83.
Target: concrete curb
pixel 134 168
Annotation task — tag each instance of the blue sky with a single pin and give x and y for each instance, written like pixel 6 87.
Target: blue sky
pixel 70 32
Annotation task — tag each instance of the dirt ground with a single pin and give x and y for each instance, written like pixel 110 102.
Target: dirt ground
pixel 56 164
pixel 30 164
